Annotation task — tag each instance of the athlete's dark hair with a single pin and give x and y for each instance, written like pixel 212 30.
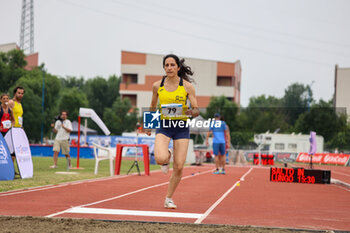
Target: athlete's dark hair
pixel 185 71
pixel 4 94
pixel 16 88
pixel 62 111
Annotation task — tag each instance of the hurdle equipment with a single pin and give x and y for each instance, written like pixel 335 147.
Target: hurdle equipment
pixel 118 157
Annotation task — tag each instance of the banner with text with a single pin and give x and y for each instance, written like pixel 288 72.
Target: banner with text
pixel 324 158
pixel 7 171
pixel 17 141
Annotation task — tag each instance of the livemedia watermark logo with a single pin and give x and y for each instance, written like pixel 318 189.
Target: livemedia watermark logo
pixel 152 120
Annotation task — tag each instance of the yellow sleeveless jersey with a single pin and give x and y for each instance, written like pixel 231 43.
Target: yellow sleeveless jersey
pixel 173 104
pixel 17 114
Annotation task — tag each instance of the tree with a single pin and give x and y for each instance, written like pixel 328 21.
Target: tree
pixel 240 138
pixel 102 93
pixel 121 117
pixel 11 68
pixel 70 82
pixel 263 114
pixel 32 101
pixel 296 100
pixel 322 119
pixel 71 100
pixel 227 109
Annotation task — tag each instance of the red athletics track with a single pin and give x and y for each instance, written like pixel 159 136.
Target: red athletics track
pixel 201 198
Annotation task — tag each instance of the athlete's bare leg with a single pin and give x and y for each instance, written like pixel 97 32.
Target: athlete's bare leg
pixel 55 158
pixel 180 154
pixel 222 161
pixel 161 145
pixel 217 161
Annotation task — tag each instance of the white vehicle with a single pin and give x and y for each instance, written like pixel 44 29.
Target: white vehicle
pixel 286 143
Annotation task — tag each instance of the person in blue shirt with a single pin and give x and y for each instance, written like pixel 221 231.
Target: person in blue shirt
pixel 221 141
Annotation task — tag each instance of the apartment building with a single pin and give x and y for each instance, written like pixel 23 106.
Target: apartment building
pixel 212 78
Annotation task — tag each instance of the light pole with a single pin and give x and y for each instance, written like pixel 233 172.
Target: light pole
pixel 42 106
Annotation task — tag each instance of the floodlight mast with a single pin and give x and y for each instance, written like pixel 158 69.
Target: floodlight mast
pixel 26 41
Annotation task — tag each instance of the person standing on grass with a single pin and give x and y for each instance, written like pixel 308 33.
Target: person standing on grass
pixel 221 141
pixel 6 115
pixel 174 89
pixel 62 127
pixel 16 106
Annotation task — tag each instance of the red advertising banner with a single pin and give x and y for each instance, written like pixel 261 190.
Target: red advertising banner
pixel 324 158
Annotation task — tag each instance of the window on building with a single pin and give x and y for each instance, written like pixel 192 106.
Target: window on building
pixel 292 146
pixel 224 81
pixel 268 138
pixel 279 146
pixel 266 147
pixel 129 78
pixel 132 98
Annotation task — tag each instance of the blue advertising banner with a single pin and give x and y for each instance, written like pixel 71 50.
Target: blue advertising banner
pixel 112 141
pixel 17 138
pixel 7 171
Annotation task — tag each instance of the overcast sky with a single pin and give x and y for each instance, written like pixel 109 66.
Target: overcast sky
pixel 278 42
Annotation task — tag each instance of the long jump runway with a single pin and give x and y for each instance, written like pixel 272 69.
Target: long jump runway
pixel 244 196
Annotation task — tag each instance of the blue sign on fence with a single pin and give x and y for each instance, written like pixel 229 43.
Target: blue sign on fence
pixel 7 171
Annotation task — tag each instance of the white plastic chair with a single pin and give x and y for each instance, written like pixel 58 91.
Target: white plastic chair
pixel 103 153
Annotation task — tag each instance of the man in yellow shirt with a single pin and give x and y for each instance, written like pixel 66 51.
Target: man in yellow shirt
pixel 17 110
pixel 16 106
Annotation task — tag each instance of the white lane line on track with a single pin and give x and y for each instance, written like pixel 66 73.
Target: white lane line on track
pixel 129 193
pixel 199 220
pixel 341 173
pixel 82 210
pixel 45 187
pixel 341 187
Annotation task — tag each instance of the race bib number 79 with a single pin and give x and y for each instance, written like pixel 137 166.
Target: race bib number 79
pixel 172 110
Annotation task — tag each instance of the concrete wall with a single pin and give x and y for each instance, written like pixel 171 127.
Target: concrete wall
pixel 342 89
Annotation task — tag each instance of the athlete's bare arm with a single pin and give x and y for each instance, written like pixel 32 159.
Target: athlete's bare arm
pixel 228 137
pixel 194 111
pixel 154 101
pixel 11 104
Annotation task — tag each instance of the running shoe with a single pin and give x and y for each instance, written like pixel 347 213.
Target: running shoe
pixel 169 204
pixel 53 166
pixel 216 172
pixel 223 172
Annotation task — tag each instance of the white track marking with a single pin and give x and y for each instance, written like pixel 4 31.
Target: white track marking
pixel 82 210
pixel 341 187
pixel 130 193
pixel 50 186
pixel 199 220
pixel 45 187
pixel 341 173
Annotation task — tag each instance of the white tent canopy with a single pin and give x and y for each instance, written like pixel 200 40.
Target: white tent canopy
pixel 199 130
pixel 82 129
